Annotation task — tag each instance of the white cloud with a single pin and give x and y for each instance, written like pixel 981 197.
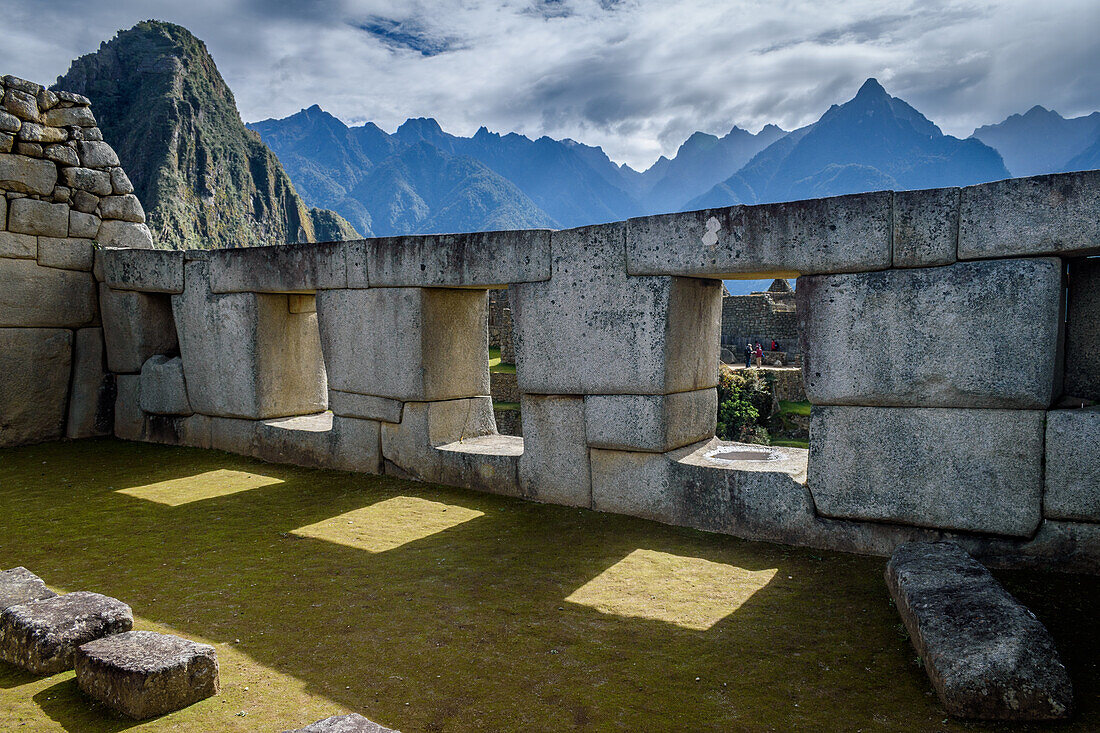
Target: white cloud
pixel 634 76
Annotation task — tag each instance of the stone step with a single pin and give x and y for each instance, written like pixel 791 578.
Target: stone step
pixel 144 674
pixel 351 723
pixel 987 655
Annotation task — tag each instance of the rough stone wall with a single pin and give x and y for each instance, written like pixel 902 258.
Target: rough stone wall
pixel 500 325
pixel 63 195
pixel 759 318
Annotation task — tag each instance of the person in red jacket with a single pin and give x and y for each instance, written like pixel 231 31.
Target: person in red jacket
pixel 759 354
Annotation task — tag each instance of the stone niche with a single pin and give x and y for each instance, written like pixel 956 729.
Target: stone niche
pixel 1083 330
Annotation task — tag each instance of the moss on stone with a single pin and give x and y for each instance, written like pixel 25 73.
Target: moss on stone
pixel 469 627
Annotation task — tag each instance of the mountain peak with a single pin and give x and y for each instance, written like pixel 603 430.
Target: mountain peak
pixel 871 89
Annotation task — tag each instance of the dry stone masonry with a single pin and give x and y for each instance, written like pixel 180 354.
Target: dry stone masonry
pixel 62 193
pixel 937 348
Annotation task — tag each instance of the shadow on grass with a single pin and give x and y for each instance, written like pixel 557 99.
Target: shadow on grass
pixel 469 628
pixel 12 677
pixel 66 705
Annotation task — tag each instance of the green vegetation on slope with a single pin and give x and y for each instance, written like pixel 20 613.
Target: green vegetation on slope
pixel 204 179
pixel 467 626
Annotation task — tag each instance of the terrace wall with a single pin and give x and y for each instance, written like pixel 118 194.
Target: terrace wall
pixel 372 356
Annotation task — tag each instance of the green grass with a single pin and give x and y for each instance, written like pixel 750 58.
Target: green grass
pixel 494 362
pixel 463 624
pixel 791 443
pixel 505 405
pixel 796 408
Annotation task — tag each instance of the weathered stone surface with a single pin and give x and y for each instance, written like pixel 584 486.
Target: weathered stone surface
pixel 70 116
pixel 86 179
pixel 124 208
pixel 420 343
pixel 1053 214
pixel 42 636
pixel 654 423
pixel 357 445
pixel 3 213
pixel 147 270
pixel 129 418
pixel 965 470
pixel 33 150
pixel 83 225
pixel 144 674
pixel 135 327
pixel 351 723
pixel 245 354
pixel 120 182
pixel 926 227
pixel 987 655
pixel 18 246
pixel 453 442
pixel 7 141
pixel 350 404
pixel 284 268
pixel 839 234
pixel 45 296
pixel 35 133
pixel 85 202
pixel 1073 465
pixel 63 154
pixel 972 334
pixel 66 254
pixel 29 216
pixel 27 175
pixel 95 154
pixel 125 234
pixel 22 105
pixel 9 122
pixel 163 391
pixel 654 335
pixel 554 465
pixel 481 259
pixel 20 585
pixel 35 363
pixel 763 499
pixel 232 435
pixel 29 87
pixel 91 397
pixel 1083 330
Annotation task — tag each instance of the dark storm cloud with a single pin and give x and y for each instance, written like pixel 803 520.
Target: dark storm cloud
pixel 635 76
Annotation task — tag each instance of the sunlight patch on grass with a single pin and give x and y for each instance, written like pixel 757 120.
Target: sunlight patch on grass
pixel 689 592
pixel 389 524
pixel 209 485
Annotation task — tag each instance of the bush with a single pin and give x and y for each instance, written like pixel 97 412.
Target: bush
pixel 745 403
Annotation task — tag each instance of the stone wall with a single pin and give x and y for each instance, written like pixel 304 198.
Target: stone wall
pixel 500 325
pixel 62 194
pixel 372 356
pixel 759 318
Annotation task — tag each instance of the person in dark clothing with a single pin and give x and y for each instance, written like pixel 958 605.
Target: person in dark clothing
pixel 748 355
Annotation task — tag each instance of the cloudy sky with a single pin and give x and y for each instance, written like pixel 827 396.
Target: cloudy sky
pixel 634 76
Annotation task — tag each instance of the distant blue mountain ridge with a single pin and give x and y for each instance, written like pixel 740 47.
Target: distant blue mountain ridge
pixel 421 179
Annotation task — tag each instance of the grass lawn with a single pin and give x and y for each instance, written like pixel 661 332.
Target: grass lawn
pixel 795 408
pixel 494 362
pixel 435 609
pixel 505 405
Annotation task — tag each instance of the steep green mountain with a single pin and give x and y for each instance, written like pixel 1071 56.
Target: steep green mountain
pixel 872 142
pixel 1040 140
pixel 204 179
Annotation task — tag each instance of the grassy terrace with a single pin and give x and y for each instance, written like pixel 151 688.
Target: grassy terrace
pixel 435 609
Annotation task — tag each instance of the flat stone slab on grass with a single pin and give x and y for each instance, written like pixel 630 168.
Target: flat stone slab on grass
pixel 987 655
pixel 351 723
pixel 144 674
pixel 20 585
pixel 42 636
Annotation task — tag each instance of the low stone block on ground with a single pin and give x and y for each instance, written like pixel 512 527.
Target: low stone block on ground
pixel 350 723
pixel 986 655
pixel 284 268
pixel 422 344
pixel 554 465
pixel 1051 214
pixel 962 470
pixel 477 259
pixel 654 423
pixel 880 338
pixel 19 585
pixel 839 234
pixel 654 335
pixel 42 636
pixel 36 365
pixel 1073 465
pixel 136 326
pixel 144 674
